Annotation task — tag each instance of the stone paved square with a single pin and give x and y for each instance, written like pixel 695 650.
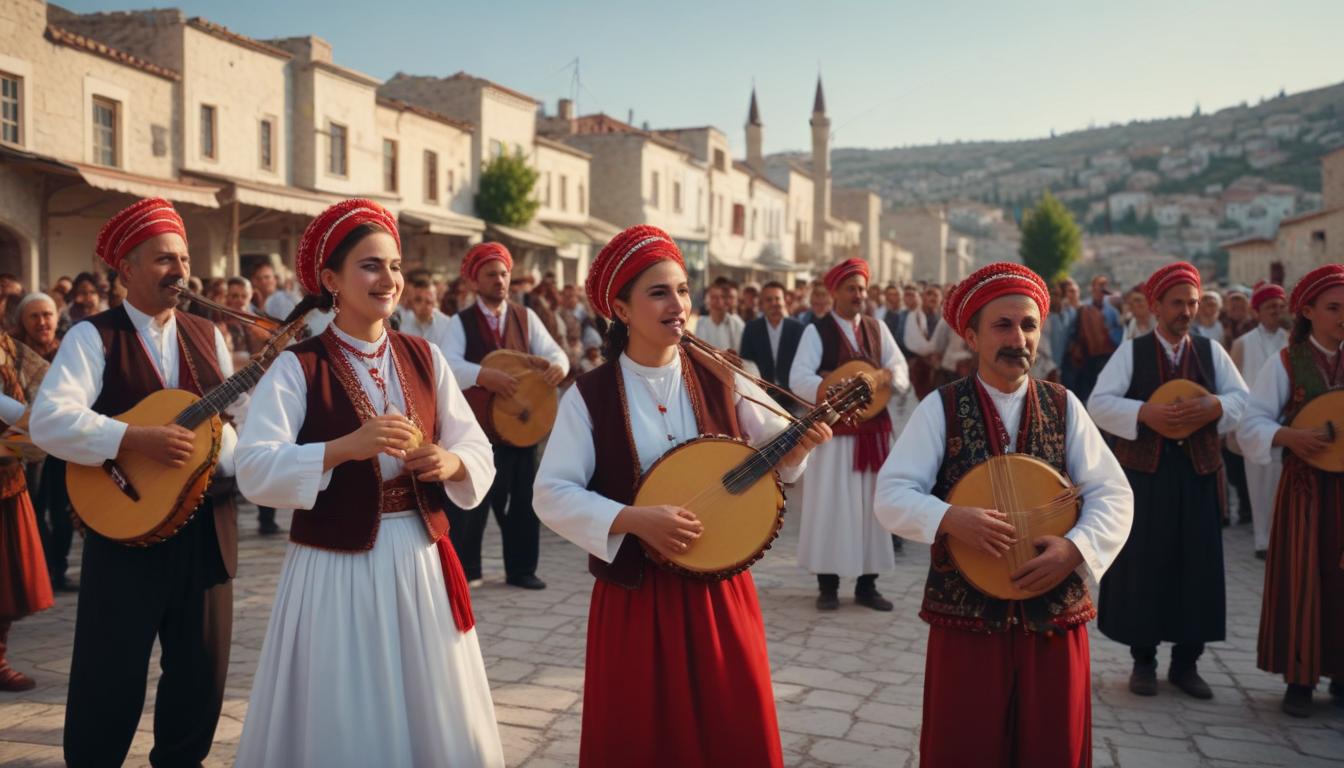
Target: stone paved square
pixel 848 685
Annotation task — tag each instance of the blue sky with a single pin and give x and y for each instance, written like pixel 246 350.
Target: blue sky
pixel 896 73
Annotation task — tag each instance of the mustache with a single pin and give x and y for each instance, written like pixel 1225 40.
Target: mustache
pixel 1014 352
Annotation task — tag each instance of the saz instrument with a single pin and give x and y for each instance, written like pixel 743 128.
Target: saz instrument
pixel 742 504
pixel 136 500
pixel 527 417
pixel 1324 414
pixel 1177 391
pixel 1038 502
pixel 848 371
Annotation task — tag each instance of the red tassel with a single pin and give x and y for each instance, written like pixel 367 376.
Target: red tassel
pixel 459 595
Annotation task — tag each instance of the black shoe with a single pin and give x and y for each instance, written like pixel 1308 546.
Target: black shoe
pixel 268 528
pixel 1337 691
pixel 873 600
pixel 1143 680
pixel 529 581
pixel 1243 519
pixel 1261 554
pixel 828 601
pixel 1188 680
pixel 1297 700
pixel 65 585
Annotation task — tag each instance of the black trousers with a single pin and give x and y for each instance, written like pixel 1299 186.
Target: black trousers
pixel 1183 655
pixel 510 498
pixel 177 591
pixel 52 503
pixel 830 582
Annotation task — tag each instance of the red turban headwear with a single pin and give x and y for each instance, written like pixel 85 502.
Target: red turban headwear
pixel 1168 277
pixel 1265 292
pixel 134 225
pixel 627 255
pixel 988 283
pixel 1315 283
pixel 480 254
pixel 843 271
pixel 325 233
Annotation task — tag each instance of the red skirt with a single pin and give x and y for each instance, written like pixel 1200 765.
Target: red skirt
pixel 677 675
pixel 25 586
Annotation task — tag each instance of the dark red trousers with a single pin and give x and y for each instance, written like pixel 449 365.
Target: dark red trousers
pixel 1006 699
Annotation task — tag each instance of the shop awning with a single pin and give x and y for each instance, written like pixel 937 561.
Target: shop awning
pixel 272 197
pixel 533 234
pixel 113 179
pixel 448 223
pixel 570 234
pixel 719 259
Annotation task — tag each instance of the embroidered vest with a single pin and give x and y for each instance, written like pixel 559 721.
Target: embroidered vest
pixel 481 341
pixel 949 599
pixel 617 473
pixel 874 435
pixel 1306 380
pixel 346 515
pixel 1152 370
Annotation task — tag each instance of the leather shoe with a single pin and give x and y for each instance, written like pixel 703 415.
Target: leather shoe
pixel 1188 680
pixel 828 601
pixel 268 528
pixel 13 680
pixel 66 585
pixel 1297 700
pixel 1143 680
pixel 1337 691
pixel 1261 554
pixel 529 581
pixel 873 600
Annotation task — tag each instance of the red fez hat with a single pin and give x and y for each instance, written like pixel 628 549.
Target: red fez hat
pixel 989 283
pixel 1168 277
pixel 1314 284
pixel 483 252
pixel 843 271
pixel 325 233
pixel 134 225
pixel 627 255
pixel 1265 291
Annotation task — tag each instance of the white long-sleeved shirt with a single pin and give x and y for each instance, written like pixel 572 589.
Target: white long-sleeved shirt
pixel 724 335
pixel 1264 410
pixel 905 507
pixel 921 339
pixel 803 378
pixel 1119 415
pixel 560 493
pixel 63 422
pixel 539 342
pixel 435 331
pixel 276 471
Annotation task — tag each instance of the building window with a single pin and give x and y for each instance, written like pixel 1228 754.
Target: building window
pixel 754 213
pixel 389 165
pixel 209 134
pixel 496 148
pixel 739 219
pixel 720 160
pixel 676 196
pixel 431 177
pixel 105 116
pixel 546 189
pixel 653 193
pixel 564 192
pixel 583 201
pixel 11 108
pixel 338 153
pixel 266 141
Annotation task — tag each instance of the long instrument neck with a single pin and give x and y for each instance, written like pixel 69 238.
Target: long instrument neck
pixel 219 398
pixel 744 475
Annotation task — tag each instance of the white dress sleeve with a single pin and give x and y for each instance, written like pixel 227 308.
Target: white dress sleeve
pixel 1264 408
pixel 1108 503
pixel 1231 390
pixel 273 470
pixel 1108 406
pixel 62 422
pixel 460 434
pixel 803 378
pixel 761 424
pixel 902 499
pixel 914 338
pixel 560 493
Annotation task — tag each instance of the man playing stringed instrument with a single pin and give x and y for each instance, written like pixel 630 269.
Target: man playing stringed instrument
pixel 495 322
pixel 1167 583
pixel 178 590
pixel 1019 670
pixel 1302 618
pixel 840 536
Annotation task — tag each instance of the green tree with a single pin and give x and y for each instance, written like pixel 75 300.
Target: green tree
pixel 1051 241
pixel 506 196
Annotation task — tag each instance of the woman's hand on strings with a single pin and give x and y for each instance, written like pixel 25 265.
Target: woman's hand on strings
pixel 392 434
pixel 1303 442
pixel 669 529
pixel 817 434
pixel 1057 559
pixel 434 464
pixel 987 530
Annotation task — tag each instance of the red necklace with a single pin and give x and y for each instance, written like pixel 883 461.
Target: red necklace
pixel 374 365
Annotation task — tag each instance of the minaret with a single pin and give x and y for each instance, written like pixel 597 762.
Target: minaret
pixel 755 158
pixel 821 174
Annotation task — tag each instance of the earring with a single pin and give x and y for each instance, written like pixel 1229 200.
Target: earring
pixel 335 308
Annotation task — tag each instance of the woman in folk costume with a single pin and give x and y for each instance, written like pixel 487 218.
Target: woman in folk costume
pixel 1019 669
pixel 677 672
pixel 370 657
pixel 24 585
pixel 1250 351
pixel 839 535
pixel 1302 618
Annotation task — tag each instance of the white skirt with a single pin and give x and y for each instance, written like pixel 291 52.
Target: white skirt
pixel 363 665
pixel 839 533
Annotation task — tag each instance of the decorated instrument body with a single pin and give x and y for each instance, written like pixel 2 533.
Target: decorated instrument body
pixel 1324 414
pixel 1178 391
pixel 846 371
pixel 526 418
pixel 1038 502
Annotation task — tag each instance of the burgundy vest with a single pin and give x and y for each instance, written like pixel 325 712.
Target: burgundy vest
pixel 346 515
pixel 949 599
pixel 617 473
pixel 835 350
pixel 1152 370
pixel 130 376
pixel 481 341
